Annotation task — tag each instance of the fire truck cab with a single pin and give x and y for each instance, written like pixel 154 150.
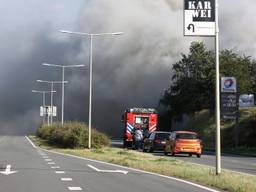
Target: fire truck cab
pixel 138 118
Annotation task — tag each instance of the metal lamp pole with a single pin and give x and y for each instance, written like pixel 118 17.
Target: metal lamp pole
pixel 63 77
pixel 218 138
pixel 43 93
pixel 91 35
pixel 51 82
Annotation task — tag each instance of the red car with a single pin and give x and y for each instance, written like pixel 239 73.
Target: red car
pixel 183 142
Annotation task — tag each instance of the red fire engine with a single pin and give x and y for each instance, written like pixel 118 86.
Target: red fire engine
pixel 138 118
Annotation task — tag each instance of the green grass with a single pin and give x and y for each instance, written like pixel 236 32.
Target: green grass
pixel 170 166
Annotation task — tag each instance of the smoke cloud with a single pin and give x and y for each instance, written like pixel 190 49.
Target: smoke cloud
pixel 130 70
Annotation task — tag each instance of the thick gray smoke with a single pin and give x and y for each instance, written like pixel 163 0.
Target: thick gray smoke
pixel 131 70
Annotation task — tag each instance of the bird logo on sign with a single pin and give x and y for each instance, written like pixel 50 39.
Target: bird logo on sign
pixel 228 83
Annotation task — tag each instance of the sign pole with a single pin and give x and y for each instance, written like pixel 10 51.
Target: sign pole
pixel 217 143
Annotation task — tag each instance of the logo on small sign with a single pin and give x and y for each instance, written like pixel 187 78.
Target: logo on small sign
pixel 228 84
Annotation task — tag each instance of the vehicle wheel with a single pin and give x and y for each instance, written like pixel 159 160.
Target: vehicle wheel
pixel 151 149
pixel 165 153
pixel 143 149
pixel 173 154
pixel 125 144
pixel 198 155
pixel 190 155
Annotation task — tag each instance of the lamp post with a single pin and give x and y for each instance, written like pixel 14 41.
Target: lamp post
pixel 90 35
pixel 63 75
pixel 43 93
pixel 51 82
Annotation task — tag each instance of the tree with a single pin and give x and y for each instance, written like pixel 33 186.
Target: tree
pixel 193 83
pixel 192 86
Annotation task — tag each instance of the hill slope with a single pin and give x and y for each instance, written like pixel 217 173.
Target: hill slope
pixel 203 122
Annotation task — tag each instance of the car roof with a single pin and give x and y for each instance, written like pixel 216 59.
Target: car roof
pixel 191 132
pixel 162 132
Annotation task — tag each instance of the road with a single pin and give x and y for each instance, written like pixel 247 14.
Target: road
pixel 41 171
pixel 231 162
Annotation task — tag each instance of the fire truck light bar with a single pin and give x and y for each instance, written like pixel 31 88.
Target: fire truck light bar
pixel 142 110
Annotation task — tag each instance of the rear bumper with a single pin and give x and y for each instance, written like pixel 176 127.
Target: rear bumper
pixel 159 147
pixel 195 150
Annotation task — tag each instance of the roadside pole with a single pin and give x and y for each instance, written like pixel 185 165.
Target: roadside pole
pixel 201 20
pixel 43 107
pixel 218 144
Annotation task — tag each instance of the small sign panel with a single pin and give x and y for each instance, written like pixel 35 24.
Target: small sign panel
pixel 48 111
pixel 246 100
pixel 199 18
pixel 228 85
pixel 229 105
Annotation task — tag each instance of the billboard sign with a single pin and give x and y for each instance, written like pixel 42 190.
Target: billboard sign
pixel 229 105
pixel 246 100
pixel 199 17
pixel 228 85
pixel 48 111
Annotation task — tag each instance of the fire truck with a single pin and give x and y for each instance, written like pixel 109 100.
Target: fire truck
pixel 138 118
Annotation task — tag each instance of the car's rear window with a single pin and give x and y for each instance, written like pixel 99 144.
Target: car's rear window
pixel 186 136
pixel 162 136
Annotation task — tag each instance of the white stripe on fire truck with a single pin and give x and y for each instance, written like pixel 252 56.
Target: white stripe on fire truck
pixel 129 127
pixel 153 127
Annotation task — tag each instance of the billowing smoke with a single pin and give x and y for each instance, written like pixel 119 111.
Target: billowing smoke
pixel 131 70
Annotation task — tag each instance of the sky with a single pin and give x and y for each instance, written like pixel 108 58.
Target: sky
pixel 131 70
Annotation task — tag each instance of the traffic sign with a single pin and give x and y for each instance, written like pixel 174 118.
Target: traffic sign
pixel 199 17
pixel 228 85
pixel 48 111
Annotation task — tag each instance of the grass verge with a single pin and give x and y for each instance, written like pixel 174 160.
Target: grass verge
pixel 226 181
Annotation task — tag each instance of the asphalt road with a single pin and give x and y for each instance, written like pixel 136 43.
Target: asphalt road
pixel 237 163
pixel 41 171
pixel 228 161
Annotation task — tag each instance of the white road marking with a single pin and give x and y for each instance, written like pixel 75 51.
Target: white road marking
pixel 66 179
pixel 30 142
pixel 75 188
pixel 45 157
pixel 51 163
pixel 59 172
pixel 55 167
pixel 108 171
pixel 137 170
pixel 8 171
pixel 48 159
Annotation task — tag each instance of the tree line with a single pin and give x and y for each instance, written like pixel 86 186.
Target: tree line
pixel 192 86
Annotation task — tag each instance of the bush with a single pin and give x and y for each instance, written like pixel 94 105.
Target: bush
pixel 71 135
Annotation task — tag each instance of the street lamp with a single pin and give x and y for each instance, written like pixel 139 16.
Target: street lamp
pixel 63 70
pixel 43 93
pixel 91 35
pixel 51 82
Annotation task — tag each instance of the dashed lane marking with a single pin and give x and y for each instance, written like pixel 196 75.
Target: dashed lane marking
pixel 137 170
pixel 66 179
pixel 51 163
pixel 75 188
pixel 48 159
pixel 55 167
pixel 59 172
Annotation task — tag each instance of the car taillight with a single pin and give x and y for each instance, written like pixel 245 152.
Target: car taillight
pixel 157 141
